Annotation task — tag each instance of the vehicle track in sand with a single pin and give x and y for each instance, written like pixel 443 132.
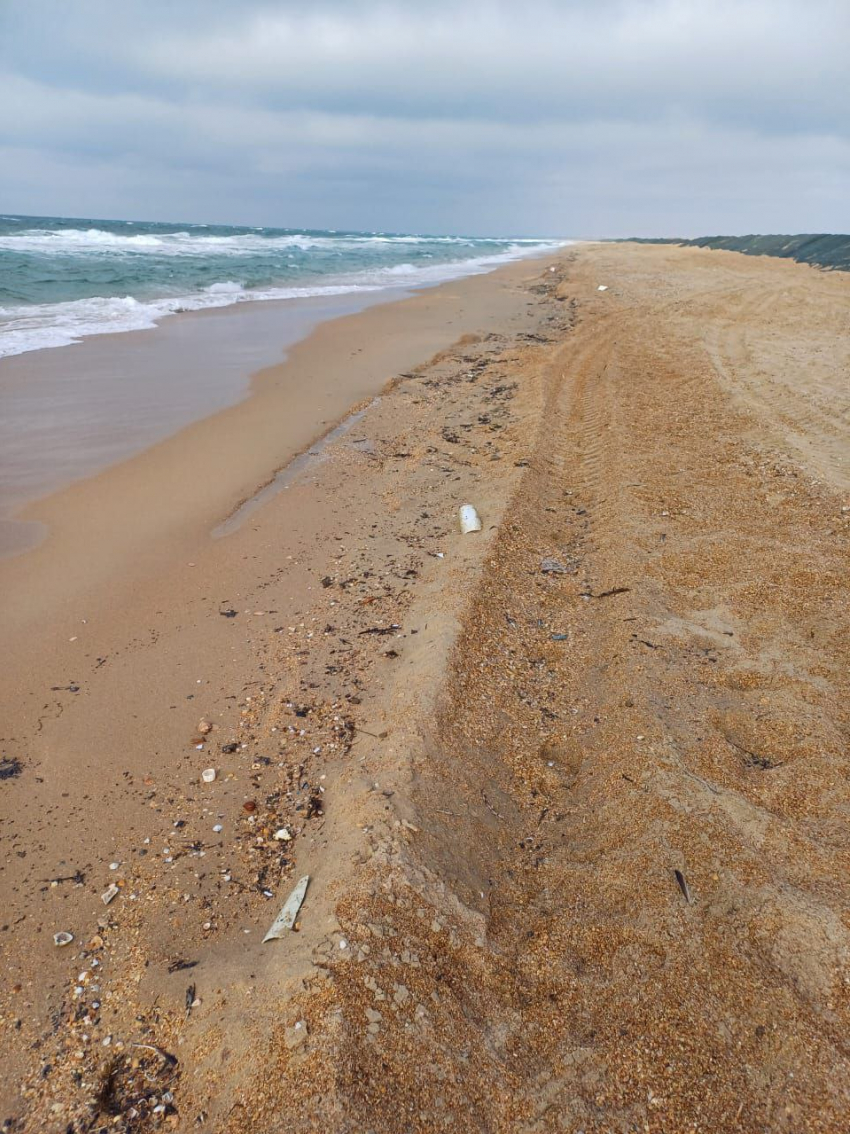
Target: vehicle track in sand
pixel 646 759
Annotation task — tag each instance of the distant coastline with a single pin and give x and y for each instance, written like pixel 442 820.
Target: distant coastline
pixel 822 250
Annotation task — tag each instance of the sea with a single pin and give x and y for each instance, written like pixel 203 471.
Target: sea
pixel 63 279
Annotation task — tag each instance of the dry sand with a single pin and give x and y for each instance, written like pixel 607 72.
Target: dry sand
pixel 577 839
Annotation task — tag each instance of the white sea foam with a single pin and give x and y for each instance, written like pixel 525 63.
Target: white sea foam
pixel 78 241
pixel 96 241
pixel 40 326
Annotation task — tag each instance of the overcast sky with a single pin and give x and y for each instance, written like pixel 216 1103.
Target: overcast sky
pixel 570 118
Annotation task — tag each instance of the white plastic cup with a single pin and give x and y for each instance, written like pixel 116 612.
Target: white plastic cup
pixel 470 521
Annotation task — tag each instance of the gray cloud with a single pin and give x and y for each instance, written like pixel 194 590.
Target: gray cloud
pixel 584 118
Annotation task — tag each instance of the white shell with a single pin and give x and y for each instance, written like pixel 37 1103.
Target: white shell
pixel 470 521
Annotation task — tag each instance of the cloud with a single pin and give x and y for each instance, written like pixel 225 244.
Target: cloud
pixel 574 118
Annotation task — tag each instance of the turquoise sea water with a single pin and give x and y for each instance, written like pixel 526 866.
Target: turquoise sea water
pixel 62 279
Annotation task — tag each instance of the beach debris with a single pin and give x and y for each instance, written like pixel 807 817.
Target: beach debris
pixel 204 726
pixel 560 637
pixel 683 886
pixel 167 1058
pixel 208 775
pixel 230 747
pixel 552 566
pixel 62 938
pixel 229 613
pixel 602 287
pixel 315 804
pixel 178 965
pixel 286 918
pixel 10 767
pixel 190 998
pixel 470 521
pixel 111 891
pixel 250 805
pixel 78 878
pixel 283 835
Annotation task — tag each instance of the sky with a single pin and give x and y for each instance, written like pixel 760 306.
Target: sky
pixel 579 118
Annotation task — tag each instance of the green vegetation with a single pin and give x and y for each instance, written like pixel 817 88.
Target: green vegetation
pixel 825 250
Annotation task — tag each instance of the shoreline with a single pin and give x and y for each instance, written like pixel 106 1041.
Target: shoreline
pixel 133 509
pixel 135 389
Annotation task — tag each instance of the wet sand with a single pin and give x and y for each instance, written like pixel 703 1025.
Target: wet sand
pixel 68 413
pixel 576 836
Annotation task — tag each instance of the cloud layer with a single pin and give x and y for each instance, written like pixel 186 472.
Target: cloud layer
pixel 590 117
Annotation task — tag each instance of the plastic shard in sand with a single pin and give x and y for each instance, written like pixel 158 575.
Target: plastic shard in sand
pixel 286 918
pixel 109 893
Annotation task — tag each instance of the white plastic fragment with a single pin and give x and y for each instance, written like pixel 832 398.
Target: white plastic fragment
pixel 602 287
pixel 63 938
pixel 283 835
pixel 286 918
pixel 470 521
pixel 109 893
pixel 208 775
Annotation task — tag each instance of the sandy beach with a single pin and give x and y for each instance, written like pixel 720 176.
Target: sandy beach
pixel 571 792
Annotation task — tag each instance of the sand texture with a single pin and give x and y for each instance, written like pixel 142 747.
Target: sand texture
pixel 572 792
